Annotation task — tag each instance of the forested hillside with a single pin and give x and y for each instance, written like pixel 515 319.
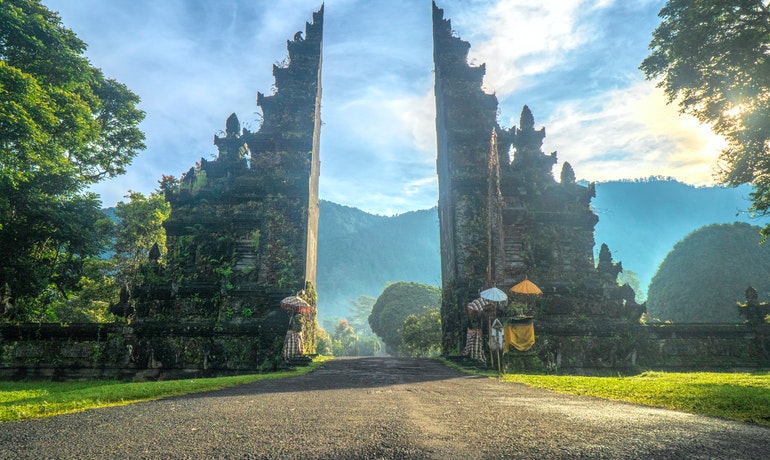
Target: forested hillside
pixel 358 253
pixel 641 221
pixel 707 272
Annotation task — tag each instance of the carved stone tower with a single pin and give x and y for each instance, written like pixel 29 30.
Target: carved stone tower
pixel 243 228
pixel 502 215
pixel 466 122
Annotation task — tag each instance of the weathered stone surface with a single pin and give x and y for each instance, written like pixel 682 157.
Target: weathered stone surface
pixel 503 217
pixel 242 233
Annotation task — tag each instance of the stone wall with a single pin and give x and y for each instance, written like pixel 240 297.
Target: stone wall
pixel 146 351
pixel 157 351
pixel 628 349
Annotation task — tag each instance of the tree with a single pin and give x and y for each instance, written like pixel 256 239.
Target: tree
pixel 139 229
pixel 421 333
pixel 323 343
pixel 344 339
pixel 713 58
pixel 360 309
pixel 63 127
pixel 706 273
pixel 394 305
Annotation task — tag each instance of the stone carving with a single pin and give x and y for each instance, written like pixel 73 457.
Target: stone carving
pixel 752 310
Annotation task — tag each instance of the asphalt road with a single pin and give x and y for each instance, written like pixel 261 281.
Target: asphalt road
pixel 378 408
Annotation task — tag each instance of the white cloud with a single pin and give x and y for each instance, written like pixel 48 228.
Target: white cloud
pixel 518 39
pixel 632 133
pixel 421 186
pixel 379 152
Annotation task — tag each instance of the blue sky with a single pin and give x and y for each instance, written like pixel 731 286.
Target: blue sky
pixel 574 62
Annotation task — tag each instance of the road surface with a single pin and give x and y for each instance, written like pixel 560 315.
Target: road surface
pixel 382 408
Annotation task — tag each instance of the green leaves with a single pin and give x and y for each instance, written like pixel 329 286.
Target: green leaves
pixel 421 333
pixel 26 122
pixel 395 304
pixel 713 58
pixel 140 226
pixel 59 113
pixel 63 127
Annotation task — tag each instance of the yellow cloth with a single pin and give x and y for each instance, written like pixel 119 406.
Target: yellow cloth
pixel 520 336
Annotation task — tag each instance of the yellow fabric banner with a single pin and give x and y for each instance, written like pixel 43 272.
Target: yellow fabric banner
pixel 520 337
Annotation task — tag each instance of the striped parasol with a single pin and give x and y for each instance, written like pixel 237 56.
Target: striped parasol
pixel 295 304
pixel 476 307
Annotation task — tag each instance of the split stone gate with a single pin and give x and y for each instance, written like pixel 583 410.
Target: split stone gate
pixel 242 235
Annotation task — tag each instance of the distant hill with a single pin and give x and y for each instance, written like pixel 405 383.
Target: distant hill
pixel 641 221
pixel 359 253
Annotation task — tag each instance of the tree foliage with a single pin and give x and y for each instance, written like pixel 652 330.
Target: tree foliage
pixel 139 228
pixel 63 126
pixel 59 113
pixel 706 273
pixel 344 339
pixel 394 305
pixel 360 309
pixel 713 58
pixel 421 333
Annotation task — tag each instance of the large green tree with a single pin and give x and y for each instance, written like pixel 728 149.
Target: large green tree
pixel 63 127
pixel 421 333
pixel 713 58
pixel 394 305
pixel 706 273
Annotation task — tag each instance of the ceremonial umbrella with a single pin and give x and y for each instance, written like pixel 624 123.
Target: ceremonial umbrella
pixel 494 294
pixel 295 304
pixel 526 287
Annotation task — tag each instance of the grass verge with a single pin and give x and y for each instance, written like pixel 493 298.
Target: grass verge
pixel 743 397
pixel 38 399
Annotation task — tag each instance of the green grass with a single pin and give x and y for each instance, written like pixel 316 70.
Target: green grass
pixel 740 396
pixel 38 399
pixel 737 396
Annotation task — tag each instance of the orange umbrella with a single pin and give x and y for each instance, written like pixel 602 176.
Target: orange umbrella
pixel 526 287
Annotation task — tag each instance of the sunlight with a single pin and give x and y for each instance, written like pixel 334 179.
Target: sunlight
pixel 735 111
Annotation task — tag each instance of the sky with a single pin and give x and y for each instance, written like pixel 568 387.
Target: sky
pixel 573 62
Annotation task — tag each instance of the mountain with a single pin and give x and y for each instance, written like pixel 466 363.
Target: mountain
pixel 642 220
pixel 359 253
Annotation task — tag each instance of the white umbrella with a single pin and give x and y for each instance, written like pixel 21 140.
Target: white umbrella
pixel 494 294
